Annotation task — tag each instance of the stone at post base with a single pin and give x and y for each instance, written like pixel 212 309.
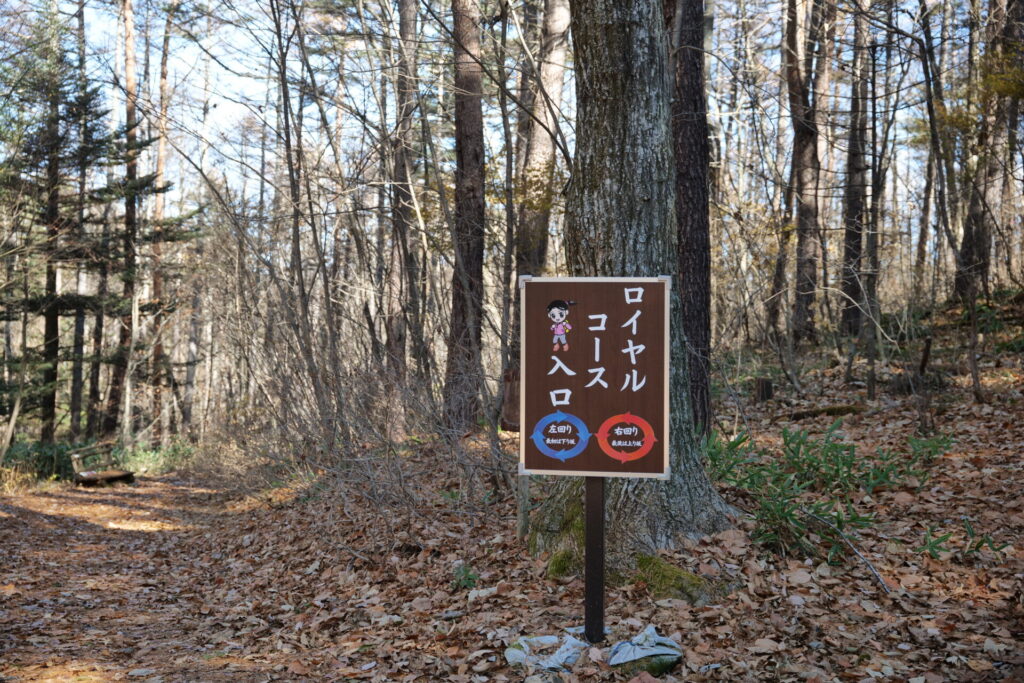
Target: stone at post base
pixel 655 665
pixel 646 652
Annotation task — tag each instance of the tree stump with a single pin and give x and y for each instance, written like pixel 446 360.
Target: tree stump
pixel 763 389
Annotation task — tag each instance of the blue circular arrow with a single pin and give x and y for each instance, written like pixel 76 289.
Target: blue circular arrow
pixel 582 436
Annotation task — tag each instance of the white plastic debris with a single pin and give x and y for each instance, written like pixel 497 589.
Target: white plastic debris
pixel 647 644
pixel 524 651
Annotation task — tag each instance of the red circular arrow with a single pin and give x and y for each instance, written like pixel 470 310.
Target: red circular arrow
pixel 626 456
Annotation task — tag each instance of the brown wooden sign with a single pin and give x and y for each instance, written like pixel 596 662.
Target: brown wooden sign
pixel 594 376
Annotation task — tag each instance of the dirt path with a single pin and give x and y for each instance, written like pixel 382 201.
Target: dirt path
pixel 97 585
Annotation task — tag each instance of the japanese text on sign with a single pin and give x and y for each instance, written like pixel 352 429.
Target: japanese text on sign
pixel 594 376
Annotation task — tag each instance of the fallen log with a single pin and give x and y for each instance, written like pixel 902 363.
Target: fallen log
pixel 104 477
pixel 834 411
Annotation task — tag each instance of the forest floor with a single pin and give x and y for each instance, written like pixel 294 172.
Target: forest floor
pixel 171 580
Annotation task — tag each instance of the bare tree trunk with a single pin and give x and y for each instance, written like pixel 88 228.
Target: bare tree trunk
pixel 621 221
pixel 924 226
pixel 778 287
pixel 535 182
pixel 402 204
pixel 159 361
pixel 463 374
pixel 856 180
pixel 96 418
pixel 51 217
pixel 980 223
pixel 117 381
pixel 685 20
pixel 78 343
pixel 803 29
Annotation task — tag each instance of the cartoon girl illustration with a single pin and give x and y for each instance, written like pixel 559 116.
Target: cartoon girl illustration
pixel 558 311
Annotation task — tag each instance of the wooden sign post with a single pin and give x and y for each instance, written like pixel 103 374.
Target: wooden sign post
pixel 594 394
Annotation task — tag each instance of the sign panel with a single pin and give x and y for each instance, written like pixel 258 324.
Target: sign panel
pixel 594 376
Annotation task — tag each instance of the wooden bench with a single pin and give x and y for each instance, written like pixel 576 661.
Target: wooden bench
pixel 94 466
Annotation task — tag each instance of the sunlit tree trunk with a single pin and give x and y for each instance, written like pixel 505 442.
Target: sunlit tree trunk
pixel 120 367
pixel 535 184
pixel 159 362
pixel 78 343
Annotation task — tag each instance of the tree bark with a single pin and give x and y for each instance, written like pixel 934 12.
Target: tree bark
pixel 51 217
pixel 986 185
pixel 856 181
pixel 402 205
pixel 803 27
pixel 535 183
pixel 158 361
pixel 924 227
pixel 124 350
pixel 78 342
pixel 621 222
pixel 463 374
pixel 685 20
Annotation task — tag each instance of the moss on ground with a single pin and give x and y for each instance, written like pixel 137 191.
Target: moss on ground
pixel 561 531
pixel 563 563
pixel 656 665
pixel 665 580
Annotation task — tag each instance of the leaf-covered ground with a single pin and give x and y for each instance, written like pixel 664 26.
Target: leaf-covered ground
pixel 170 581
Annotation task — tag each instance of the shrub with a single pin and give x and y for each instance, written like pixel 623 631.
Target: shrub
pixel 158 460
pixel 41 461
pixel 804 497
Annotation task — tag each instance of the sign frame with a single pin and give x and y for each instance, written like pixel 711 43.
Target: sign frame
pixel 665 474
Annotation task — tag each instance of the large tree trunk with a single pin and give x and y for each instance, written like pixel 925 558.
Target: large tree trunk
pixel 463 374
pixel 685 20
pixel 124 350
pixel 856 181
pixel 621 222
pixel 803 26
